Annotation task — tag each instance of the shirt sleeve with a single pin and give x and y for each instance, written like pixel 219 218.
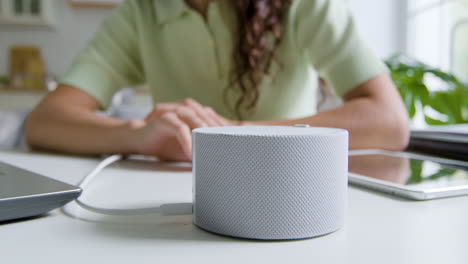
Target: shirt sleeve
pixel 327 34
pixel 111 60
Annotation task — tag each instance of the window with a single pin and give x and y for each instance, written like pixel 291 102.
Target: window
pixel 438 34
pixel 26 12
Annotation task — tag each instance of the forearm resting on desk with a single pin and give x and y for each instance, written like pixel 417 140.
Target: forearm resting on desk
pixel 66 121
pixel 373 114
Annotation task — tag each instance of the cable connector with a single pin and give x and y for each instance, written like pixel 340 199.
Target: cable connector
pixel 176 209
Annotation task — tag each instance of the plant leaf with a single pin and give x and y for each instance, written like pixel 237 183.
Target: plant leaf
pixel 434 122
pixel 408 76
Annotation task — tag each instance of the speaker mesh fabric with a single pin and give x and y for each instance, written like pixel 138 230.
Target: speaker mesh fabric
pixel 270 183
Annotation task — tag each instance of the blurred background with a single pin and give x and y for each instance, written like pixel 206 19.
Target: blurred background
pixel 424 43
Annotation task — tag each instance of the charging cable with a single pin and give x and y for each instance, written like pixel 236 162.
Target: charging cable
pixel 165 209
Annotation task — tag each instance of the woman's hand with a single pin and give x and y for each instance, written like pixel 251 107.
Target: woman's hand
pixel 203 116
pixel 167 133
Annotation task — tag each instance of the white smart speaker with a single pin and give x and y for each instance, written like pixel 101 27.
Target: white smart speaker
pixel 270 182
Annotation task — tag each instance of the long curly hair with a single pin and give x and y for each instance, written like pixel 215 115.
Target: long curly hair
pixel 259 34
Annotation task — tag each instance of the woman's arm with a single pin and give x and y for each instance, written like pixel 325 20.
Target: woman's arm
pixel 326 33
pixel 373 114
pixel 66 121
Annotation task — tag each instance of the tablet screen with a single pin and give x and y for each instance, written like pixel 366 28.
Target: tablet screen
pixel 408 171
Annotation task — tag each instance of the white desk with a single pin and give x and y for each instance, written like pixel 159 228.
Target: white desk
pixel 379 229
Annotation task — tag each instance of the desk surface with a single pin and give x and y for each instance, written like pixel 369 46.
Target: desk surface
pixel 379 228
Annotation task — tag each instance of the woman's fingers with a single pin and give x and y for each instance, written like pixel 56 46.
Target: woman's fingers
pixel 202 112
pixel 190 112
pixel 178 120
pixel 190 117
pixel 182 131
pixel 160 109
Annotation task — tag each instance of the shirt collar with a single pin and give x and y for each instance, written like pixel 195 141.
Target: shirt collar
pixel 170 9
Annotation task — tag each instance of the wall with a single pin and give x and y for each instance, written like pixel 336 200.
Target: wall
pixel 383 23
pixel 380 22
pixel 73 29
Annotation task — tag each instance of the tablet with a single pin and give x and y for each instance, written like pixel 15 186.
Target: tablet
pixel 408 175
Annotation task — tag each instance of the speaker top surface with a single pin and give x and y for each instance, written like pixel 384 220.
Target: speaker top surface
pixel 270 131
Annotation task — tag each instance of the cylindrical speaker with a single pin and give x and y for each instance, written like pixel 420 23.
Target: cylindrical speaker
pixel 270 182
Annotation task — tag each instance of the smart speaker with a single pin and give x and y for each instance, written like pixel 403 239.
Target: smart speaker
pixel 270 182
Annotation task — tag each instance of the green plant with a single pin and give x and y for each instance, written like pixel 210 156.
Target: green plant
pixel 3 80
pixel 450 100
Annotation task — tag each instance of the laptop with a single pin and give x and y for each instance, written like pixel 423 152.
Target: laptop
pixel 450 141
pixel 26 194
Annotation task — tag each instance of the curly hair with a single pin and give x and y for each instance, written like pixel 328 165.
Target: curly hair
pixel 259 21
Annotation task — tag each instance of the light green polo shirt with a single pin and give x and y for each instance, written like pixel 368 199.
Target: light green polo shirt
pixel 178 54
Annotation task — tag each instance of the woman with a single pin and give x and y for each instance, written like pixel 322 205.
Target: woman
pixel 216 63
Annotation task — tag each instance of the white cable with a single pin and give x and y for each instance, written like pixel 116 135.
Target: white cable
pixel 165 209
pixel 104 163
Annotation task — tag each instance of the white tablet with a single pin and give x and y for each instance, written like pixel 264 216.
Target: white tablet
pixel 413 176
